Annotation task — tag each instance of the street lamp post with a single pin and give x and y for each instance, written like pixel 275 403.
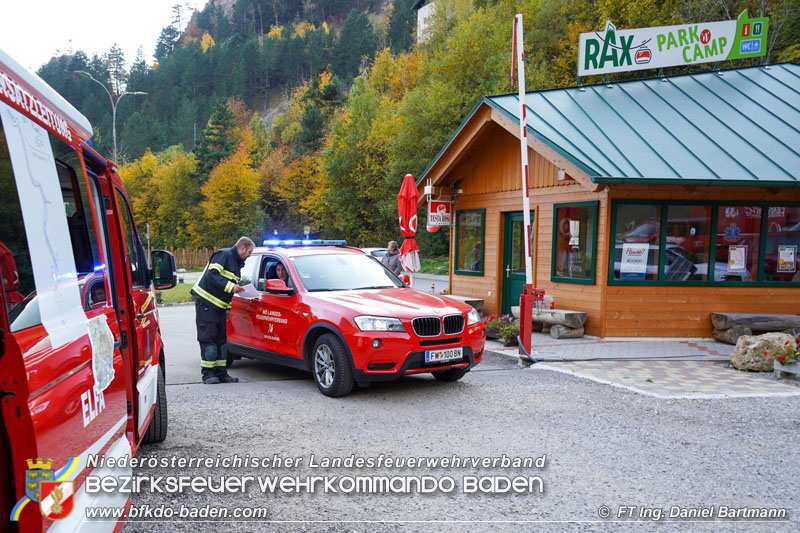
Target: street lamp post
pixel 114 104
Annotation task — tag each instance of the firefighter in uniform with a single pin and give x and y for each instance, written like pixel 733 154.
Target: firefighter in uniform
pixel 212 295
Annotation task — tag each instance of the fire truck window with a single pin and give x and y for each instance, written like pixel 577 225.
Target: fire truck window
pixel 78 208
pixel 16 269
pixel 15 262
pixel 135 253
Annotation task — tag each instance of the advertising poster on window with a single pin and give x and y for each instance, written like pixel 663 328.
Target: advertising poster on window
pixel 634 260
pixel 786 258
pixel 737 258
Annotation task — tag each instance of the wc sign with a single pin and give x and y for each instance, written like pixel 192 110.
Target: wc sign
pixel 439 213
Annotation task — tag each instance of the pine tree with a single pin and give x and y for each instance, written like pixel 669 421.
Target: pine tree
pixel 402 21
pixel 310 137
pixel 218 140
pixel 166 43
pixel 117 72
pixel 356 40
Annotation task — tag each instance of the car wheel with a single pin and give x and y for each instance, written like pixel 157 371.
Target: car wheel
pixel 454 374
pixel 229 360
pixel 157 430
pixel 331 366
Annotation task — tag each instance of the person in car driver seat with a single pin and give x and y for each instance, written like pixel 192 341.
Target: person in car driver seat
pixel 281 273
pixel 212 295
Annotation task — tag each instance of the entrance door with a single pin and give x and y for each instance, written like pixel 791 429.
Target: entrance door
pixel 514 259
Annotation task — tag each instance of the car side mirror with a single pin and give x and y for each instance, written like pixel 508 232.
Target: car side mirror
pixel 165 271
pixel 405 278
pixel 278 286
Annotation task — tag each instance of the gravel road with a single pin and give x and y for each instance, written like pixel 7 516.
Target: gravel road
pixel 604 447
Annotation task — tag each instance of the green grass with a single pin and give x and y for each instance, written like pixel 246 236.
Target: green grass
pixel 435 265
pixel 177 295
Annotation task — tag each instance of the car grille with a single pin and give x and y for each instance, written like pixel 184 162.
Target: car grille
pixel 427 326
pixel 453 324
pixel 440 342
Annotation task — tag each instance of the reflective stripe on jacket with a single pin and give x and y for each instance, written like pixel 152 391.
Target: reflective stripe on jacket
pixel 222 272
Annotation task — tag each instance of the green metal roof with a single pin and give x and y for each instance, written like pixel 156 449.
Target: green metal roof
pixel 731 127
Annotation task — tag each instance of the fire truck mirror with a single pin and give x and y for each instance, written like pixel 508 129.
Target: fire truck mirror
pixel 165 271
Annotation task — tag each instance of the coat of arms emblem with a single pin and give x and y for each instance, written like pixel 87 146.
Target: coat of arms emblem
pixel 38 470
pixel 57 499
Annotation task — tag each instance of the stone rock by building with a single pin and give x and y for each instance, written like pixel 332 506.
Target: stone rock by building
pixel 749 352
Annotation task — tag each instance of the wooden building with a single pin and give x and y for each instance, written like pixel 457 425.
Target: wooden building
pixel 654 202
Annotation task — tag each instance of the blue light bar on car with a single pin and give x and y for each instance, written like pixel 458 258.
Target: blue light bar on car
pixel 304 242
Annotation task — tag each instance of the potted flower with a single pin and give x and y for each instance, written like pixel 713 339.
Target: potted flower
pixel 509 333
pixel 494 323
pixel 787 357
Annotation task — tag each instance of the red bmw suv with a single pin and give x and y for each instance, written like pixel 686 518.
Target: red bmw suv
pixel 334 311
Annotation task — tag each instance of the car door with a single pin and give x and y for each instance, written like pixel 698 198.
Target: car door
pixel 278 319
pixel 141 312
pixel 239 328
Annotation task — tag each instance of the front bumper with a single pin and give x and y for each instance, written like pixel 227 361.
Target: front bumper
pixel 414 363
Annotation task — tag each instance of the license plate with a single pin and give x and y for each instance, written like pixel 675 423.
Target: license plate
pixel 448 354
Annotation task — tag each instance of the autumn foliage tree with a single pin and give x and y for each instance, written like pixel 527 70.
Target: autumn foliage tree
pixel 231 204
pixel 163 194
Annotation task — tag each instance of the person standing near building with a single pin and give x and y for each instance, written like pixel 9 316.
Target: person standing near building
pixel 392 258
pixel 212 295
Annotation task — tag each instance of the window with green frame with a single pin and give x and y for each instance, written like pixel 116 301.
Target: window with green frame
pixel 470 228
pixel 708 243
pixel 574 242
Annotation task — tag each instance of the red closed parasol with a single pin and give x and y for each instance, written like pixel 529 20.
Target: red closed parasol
pixel 407 209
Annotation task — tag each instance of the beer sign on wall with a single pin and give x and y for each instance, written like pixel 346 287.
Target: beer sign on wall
pixel 668 46
pixel 439 213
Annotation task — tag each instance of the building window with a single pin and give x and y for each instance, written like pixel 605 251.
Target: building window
pixel 782 244
pixel 574 242
pixel 716 244
pixel 637 237
pixel 738 236
pixel 469 242
pixel 688 234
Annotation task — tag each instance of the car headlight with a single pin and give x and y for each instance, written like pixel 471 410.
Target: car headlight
pixel 378 323
pixel 473 317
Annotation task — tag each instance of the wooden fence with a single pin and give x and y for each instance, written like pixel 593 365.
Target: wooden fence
pixel 186 257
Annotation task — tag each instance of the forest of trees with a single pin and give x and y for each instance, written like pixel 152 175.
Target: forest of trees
pixel 284 114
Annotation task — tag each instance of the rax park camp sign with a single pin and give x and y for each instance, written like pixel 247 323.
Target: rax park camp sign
pixel 615 50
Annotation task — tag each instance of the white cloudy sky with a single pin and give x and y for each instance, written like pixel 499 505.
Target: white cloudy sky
pixel 31 31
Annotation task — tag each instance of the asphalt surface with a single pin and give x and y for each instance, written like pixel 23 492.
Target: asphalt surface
pixel 605 448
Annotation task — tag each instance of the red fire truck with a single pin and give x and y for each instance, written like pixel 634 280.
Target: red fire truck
pixel 81 355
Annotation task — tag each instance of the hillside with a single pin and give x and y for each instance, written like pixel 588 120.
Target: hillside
pixel 255 50
pixel 352 104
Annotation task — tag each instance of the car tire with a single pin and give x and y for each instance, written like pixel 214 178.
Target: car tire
pixel 330 365
pixel 454 374
pixel 229 360
pixel 157 430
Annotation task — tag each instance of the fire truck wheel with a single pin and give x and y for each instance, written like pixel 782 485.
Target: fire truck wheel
pixel 229 360
pixel 331 366
pixel 454 374
pixel 157 430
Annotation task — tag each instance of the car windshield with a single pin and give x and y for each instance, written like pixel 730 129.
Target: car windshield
pixel 343 272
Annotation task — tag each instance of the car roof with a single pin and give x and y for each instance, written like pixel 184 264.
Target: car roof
pixel 299 251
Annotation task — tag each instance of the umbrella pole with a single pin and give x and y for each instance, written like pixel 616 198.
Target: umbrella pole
pixel 527 297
